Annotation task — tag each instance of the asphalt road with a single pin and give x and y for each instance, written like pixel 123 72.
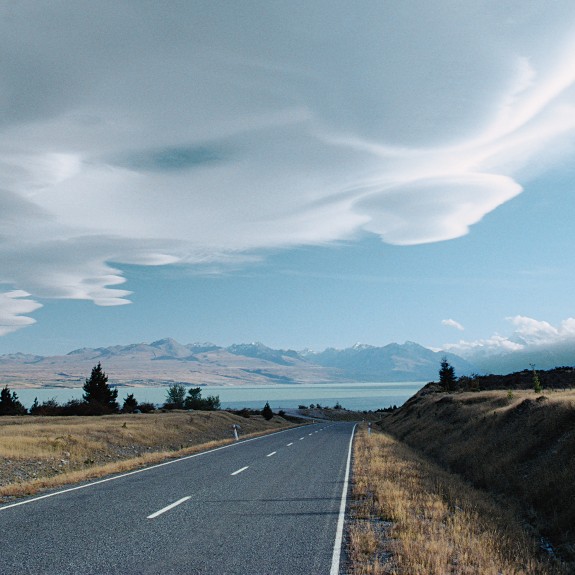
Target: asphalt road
pixel 264 506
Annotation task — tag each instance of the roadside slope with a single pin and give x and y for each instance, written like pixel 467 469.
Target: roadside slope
pixel 517 445
pixel 409 516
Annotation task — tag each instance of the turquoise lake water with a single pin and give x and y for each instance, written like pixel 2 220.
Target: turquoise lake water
pixel 353 396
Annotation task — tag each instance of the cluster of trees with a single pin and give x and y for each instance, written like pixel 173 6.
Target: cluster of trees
pixel 99 398
pixel 318 406
pixel 388 409
pixel 449 382
pixel 267 412
pixel 177 398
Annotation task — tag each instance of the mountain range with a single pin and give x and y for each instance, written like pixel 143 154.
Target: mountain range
pixel 167 361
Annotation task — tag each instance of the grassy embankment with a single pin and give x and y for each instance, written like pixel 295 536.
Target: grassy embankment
pixel 42 452
pixel 467 483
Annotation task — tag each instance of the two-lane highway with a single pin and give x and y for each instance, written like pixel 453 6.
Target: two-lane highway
pixel 271 505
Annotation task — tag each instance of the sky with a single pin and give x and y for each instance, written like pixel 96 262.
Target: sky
pixel 297 173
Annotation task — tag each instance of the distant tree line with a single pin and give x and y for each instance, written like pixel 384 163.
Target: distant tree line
pixel 100 398
pixel 556 378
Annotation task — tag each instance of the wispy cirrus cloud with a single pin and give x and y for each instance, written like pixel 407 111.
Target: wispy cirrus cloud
pixel 152 136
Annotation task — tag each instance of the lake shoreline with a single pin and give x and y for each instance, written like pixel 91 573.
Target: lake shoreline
pixel 365 396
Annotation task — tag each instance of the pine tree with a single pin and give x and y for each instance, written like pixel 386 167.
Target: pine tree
pixel 267 412
pixel 9 403
pixel 98 395
pixel 35 406
pixel 130 404
pixel 447 378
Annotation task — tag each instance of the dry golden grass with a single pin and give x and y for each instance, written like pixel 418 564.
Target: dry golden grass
pixel 40 452
pixel 94 472
pixel 410 517
pixel 518 446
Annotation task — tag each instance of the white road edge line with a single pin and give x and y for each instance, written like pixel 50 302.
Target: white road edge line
pixel 171 462
pixel 239 470
pixel 341 519
pixel 168 507
pixel 272 453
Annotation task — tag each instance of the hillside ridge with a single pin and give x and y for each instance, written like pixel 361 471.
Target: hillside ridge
pixel 515 444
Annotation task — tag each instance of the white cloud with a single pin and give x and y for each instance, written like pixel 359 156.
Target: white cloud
pixel 13 306
pixel 493 345
pixel 452 323
pixel 529 335
pixel 533 332
pixel 136 134
pixel 434 209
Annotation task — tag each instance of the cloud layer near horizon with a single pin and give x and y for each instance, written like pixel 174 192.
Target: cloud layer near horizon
pixel 529 335
pixel 136 133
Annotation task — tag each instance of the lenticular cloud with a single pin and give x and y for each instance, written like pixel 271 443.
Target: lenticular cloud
pixel 434 209
pixel 211 131
pixel 13 306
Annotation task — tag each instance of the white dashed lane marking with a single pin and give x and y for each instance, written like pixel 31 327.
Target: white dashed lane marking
pixel 168 507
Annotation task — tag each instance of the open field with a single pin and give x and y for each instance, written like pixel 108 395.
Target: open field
pixel 517 446
pixel 410 517
pixel 39 452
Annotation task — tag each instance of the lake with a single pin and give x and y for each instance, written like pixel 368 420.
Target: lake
pixel 353 396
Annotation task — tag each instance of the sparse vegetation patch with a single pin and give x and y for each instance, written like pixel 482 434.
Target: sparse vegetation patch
pixel 513 444
pixel 410 517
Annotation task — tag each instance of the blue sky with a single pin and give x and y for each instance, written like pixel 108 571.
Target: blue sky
pixel 291 173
